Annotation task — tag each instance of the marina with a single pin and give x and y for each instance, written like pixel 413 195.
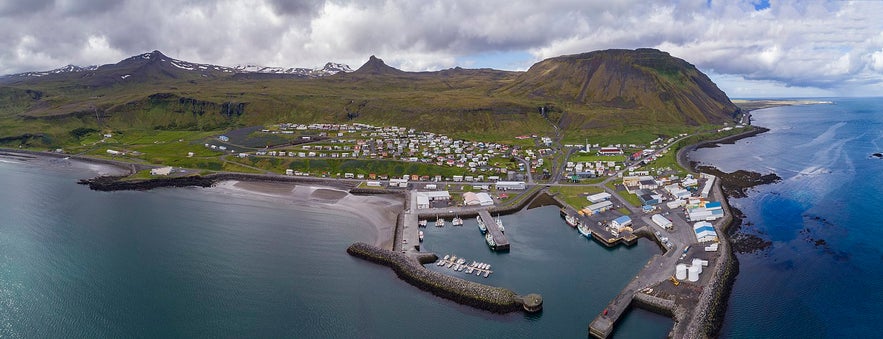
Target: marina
pixel 459 265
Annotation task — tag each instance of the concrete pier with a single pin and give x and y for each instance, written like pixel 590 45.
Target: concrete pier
pixel 500 239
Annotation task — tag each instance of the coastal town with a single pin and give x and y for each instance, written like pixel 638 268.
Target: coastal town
pixel 613 194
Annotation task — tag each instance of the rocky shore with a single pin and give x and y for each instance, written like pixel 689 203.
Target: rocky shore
pixel 119 183
pixel 411 270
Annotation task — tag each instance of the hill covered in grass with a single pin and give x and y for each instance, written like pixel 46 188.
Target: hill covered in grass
pixel 602 93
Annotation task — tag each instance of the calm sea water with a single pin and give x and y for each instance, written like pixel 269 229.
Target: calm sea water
pixel 823 275
pixel 194 263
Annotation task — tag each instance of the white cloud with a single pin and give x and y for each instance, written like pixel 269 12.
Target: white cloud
pixel 834 46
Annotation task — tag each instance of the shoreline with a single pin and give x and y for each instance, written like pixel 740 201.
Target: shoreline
pixel 380 211
pixel 709 314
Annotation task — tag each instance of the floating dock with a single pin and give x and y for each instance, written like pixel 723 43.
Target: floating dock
pixel 500 239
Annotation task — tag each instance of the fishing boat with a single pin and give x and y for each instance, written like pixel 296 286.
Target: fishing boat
pixel 571 220
pixel 421 223
pixel 584 230
pixel 500 224
pixel 489 239
pixel 420 235
pixel 439 222
pixel 457 221
pixel 481 226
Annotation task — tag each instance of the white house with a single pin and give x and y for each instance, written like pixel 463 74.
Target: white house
pixel 621 222
pixel 596 198
pixel 161 171
pixel 661 221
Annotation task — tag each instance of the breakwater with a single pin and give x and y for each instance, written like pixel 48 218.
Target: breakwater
pixel 120 183
pixel 411 270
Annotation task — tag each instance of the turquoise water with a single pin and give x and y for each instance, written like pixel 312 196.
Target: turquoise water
pixel 196 263
pixel 822 275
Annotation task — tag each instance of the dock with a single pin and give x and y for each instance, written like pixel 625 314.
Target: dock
pixel 500 239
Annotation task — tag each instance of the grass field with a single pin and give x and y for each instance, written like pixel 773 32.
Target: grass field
pixel 575 196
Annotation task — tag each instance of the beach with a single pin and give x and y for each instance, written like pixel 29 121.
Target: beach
pixel 379 211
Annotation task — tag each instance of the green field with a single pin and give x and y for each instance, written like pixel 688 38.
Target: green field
pixel 575 196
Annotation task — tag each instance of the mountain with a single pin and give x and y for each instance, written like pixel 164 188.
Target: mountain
pixel 637 93
pixel 172 68
pixel 645 80
pixel 376 66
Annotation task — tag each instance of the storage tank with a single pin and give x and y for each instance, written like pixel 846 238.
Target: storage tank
pixel 697 263
pixel 693 273
pixel 681 271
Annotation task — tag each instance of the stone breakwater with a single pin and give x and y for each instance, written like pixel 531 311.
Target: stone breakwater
pixel 708 315
pixel 117 183
pixel 411 270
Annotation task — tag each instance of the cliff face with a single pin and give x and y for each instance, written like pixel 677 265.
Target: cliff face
pixel 644 79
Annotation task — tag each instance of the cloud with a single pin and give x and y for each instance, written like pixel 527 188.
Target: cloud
pixel 836 47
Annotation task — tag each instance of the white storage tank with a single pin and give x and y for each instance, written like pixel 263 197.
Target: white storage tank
pixel 693 273
pixel 681 271
pixel 697 263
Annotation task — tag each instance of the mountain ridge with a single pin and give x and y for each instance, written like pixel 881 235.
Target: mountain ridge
pixel 612 91
pixel 330 68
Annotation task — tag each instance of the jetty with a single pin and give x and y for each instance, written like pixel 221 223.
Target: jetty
pixel 500 239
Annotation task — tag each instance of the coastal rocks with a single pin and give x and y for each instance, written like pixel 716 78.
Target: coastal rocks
pixel 494 299
pixel 741 240
pixel 120 183
pixel 736 184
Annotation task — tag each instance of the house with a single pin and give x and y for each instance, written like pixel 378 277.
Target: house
pixel 161 171
pixel 609 151
pixel 510 185
pixel 484 199
pixel 598 208
pixel 704 232
pixel 596 198
pixel 663 222
pixel 422 201
pixel 619 223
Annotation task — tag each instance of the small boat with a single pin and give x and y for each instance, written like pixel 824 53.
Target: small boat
pixel 457 221
pixel 420 235
pixel 422 223
pixel 469 270
pixel 571 220
pixel 440 262
pixel 486 273
pixel 439 222
pixel 461 261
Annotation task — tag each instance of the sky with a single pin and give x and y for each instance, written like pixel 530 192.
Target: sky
pixel 750 48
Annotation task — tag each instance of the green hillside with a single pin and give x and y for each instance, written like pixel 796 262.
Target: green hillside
pixel 606 94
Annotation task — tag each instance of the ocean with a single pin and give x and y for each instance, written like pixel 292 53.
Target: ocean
pixel 823 274
pixel 192 262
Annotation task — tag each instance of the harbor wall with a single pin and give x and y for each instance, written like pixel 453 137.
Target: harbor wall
pixel 494 299
pixel 471 212
pixel 708 315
